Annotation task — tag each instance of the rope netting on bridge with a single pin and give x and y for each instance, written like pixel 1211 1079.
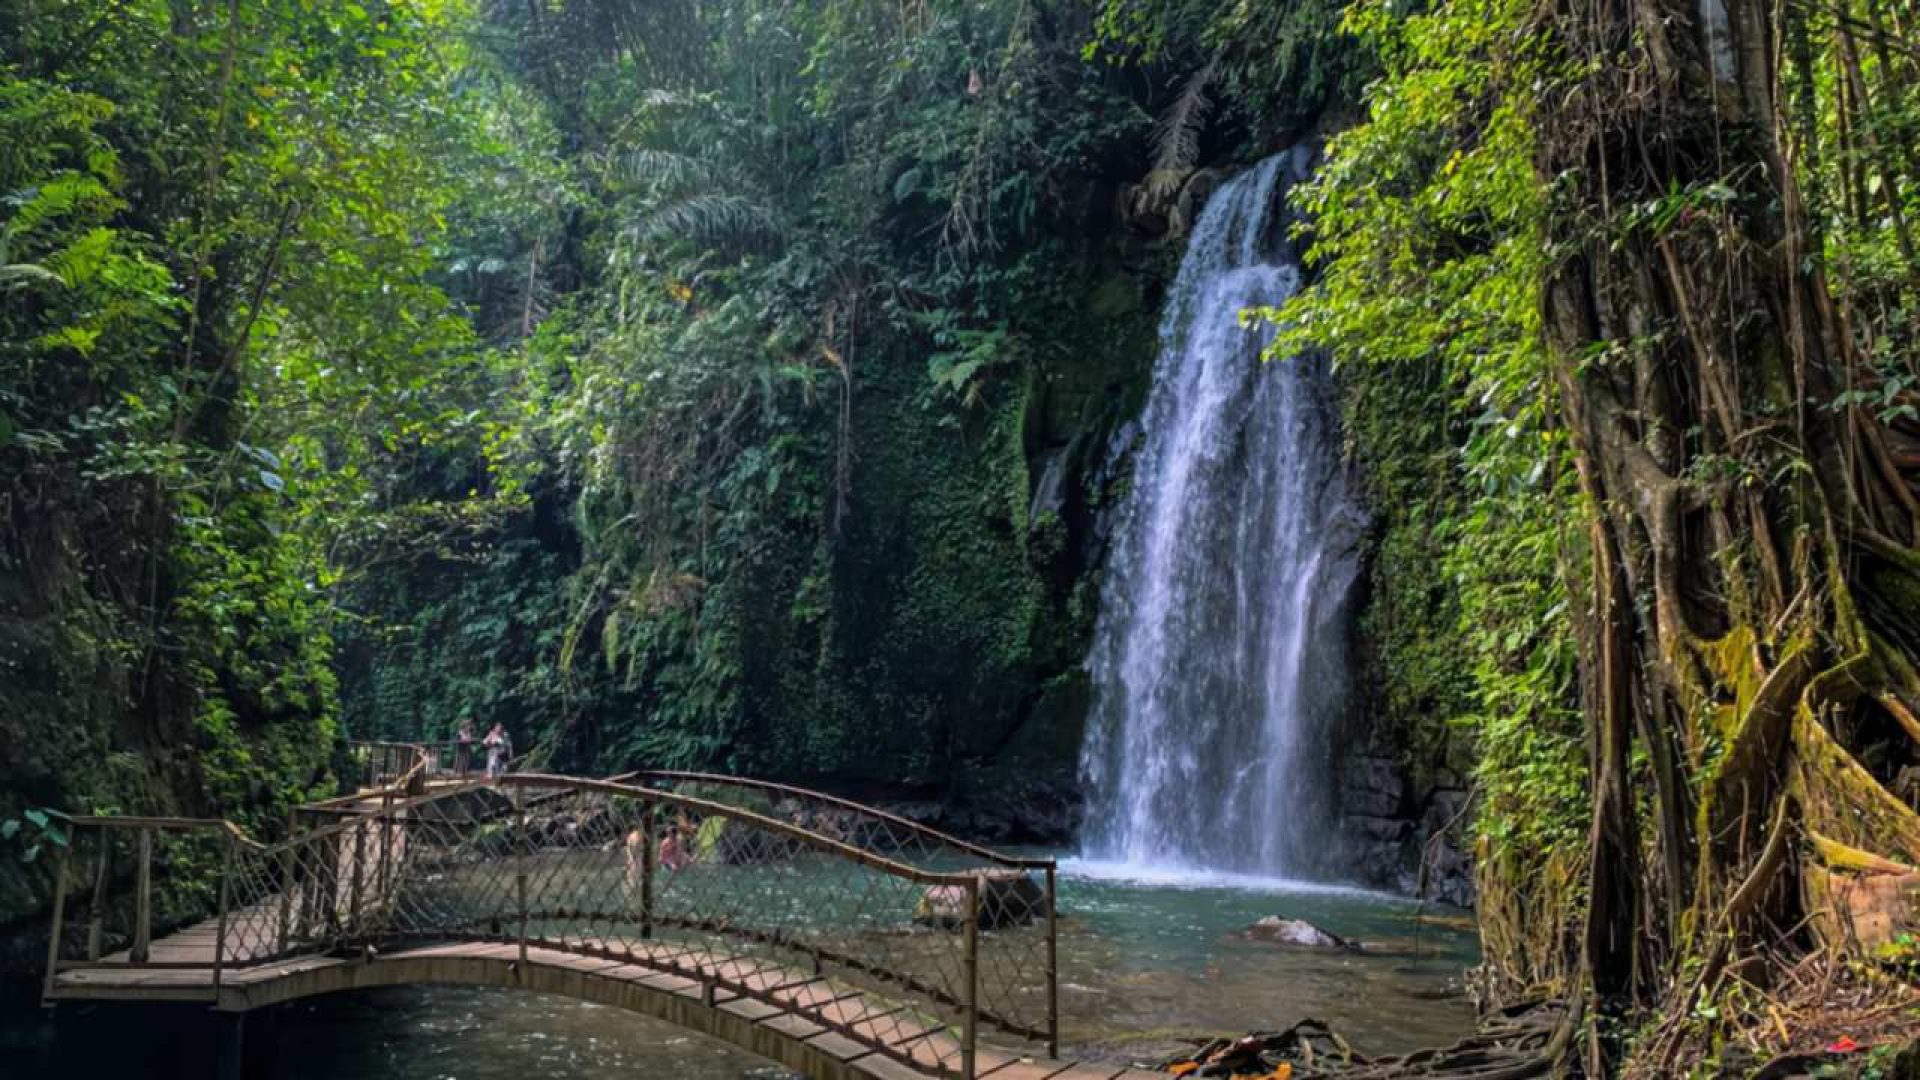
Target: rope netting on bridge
pixel 899 937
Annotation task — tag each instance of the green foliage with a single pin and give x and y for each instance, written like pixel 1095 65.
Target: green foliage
pixel 218 326
pixel 820 259
pixel 1427 229
pixel 1277 67
pixel 35 830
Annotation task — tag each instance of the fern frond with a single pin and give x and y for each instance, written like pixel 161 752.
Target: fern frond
pixel 1176 132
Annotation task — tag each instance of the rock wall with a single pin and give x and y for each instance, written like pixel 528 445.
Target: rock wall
pixel 1408 827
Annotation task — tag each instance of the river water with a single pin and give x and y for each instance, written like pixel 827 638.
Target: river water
pixel 1142 962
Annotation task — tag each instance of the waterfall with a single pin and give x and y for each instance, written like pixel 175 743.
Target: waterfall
pixel 1218 657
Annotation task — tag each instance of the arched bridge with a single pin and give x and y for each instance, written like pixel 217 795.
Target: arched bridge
pixel 830 936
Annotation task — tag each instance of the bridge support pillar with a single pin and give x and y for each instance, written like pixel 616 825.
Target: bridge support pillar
pixel 229 1045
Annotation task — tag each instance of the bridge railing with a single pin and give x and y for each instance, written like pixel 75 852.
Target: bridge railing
pixel 406 766
pixel 401 765
pixel 1020 983
pixel 897 936
pixel 773 903
pixel 107 902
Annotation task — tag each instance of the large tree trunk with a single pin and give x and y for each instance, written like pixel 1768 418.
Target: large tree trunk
pixel 1752 543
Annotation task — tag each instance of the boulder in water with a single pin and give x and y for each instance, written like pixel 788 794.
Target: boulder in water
pixel 1297 932
pixel 1007 898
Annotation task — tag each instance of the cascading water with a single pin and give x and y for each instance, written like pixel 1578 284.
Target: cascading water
pixel 1219 653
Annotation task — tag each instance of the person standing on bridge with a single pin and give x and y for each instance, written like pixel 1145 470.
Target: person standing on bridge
pixel 463 747
pixel 499 748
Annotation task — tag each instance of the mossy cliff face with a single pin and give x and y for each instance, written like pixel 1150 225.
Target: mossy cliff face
pixel 954 607
pixel 113 707
pixel 917 634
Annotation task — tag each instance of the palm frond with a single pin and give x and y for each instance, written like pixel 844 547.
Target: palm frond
pixel 665 170
pixel 21 275
pixel 715 220
pixel 1176 132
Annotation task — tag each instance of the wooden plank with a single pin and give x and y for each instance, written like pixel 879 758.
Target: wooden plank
pixel 253 976
pixel 838 1046
pixel 794 1026
pixel 590 965
pixel 935 1047
pixel 992 1061
pixel 881 1067
pixel 137 978
pixel 1030 1069
pixel 126 994
pixel 751 1009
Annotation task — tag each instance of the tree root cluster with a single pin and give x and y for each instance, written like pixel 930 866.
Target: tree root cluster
pixel 1513 1044
pixel 1822 1017
pixel 1779 1016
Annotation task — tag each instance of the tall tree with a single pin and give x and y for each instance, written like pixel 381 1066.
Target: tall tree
pixel 1753 557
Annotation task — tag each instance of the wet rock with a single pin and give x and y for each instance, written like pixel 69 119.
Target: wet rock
pixel 1375 787
pixel 1448 866
pixel 1383 830
pixel 1297 932
pixel 1007 898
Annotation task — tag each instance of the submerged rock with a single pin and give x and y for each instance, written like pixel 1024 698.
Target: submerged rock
pixel 1297 932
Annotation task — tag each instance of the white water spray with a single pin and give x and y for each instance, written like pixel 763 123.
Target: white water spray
pixel 1219 653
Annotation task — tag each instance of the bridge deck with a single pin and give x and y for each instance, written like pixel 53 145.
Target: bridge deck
pixel 791 1007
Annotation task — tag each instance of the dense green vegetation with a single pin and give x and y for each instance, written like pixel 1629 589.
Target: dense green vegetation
pixel 733 385
pixel 1664 258
pixel 216 308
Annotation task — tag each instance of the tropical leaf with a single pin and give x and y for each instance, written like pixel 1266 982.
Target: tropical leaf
pixel 21 275
pixel 1176 132
pixel 718 220
pixel 665 170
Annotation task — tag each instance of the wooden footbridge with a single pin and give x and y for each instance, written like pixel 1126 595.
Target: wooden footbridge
pixel 832 937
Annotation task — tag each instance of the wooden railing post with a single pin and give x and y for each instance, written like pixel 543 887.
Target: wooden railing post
pixel 326 893
pixel 220 926
pixel 971 1001
pixel 359 860
pixel 1053 969
pixel 142 899
pixel 101 875
pixel 59 928
pixel 287 891
pixel 646 873
pixel 520 873
pixel 383 817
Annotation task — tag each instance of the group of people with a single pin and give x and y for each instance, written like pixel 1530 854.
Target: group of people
pixel 679 847
pixel 499 749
